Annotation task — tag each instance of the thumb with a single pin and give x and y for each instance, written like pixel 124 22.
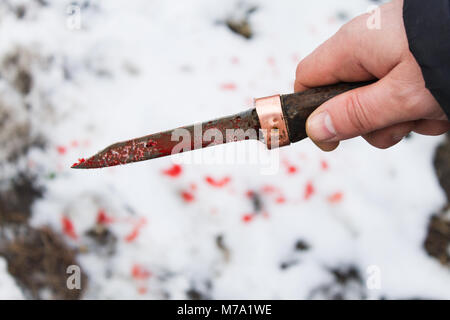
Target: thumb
pixel 359 112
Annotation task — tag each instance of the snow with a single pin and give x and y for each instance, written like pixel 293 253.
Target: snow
pixel 8 288
pixel 141 66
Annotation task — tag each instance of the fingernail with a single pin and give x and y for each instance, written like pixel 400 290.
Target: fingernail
pixel 320 127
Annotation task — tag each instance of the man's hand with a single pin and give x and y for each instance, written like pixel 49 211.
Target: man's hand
pixel 384 112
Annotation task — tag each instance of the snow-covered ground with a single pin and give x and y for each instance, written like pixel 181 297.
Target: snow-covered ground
pixel 208 230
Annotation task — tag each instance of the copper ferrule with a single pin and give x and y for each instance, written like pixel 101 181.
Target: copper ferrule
pixel 272 121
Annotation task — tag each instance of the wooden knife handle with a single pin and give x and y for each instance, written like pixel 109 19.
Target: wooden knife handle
pixel 297 107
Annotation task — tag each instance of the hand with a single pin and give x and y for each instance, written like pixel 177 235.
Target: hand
pixel 384 112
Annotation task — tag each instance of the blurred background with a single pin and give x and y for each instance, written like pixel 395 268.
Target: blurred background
pixel 76 76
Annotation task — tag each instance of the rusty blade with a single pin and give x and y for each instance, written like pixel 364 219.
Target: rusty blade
pixel 176 141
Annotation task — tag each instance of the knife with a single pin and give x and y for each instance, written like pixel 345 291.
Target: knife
pixel 281 119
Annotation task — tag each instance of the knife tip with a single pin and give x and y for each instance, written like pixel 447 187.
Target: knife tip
pixel 79 164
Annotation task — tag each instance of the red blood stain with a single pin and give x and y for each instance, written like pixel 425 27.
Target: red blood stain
pixel 140 273
pixel 250 194
pixel 103 218
pixel 292 170
pixel 61 150
pixel 68 228
pixel 80 161
pixel 74 143
pixel 271 61
pixel 142 290
pixel 309 190
pixel 136 230
pixel 217 183
pixel 235 60
pixel 228 86
pixel 173 171
pixel 336 197
pixel 246 218
pixel 133 235
pixel 268 189
pixel 151 143
pixel 324 165
pixel 187 196
pixel 193 186
pixel 280 200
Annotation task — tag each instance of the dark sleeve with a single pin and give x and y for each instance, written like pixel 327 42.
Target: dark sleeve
pixel 427 24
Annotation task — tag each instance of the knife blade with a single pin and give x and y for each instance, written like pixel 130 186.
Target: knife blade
pixel 280 118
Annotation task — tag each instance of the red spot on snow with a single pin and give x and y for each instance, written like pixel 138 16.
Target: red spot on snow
pixel 217 183
pixel 228 86
pixel 268 189
pixel 193 186
pixel 103 218
pixel 173 171
pixel 142 290
pixel 187 196
pixel 250 194
pixel 280 200
pixel 247 218
pixel 324 165
pixel 271 61
pixel 336 197
pixel 68 228
pixel 74 143
pixel 61 150
pixel 136 230
pixel 309 190
pixel 138 272
pixel 292 170
pixel 235 60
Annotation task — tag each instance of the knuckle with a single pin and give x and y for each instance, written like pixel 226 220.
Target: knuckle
pixel 357 113
pixel 298 71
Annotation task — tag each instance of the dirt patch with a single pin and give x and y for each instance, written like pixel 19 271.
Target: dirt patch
pixel 437 242
pixel 347 284
pixel 38 260
pixel 442 165
pixel 16 201
pixel 239 21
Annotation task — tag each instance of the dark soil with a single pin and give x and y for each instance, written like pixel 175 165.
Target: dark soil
pixel 438 239
pixel 15 202
pixel 38 260
pixel 437 242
